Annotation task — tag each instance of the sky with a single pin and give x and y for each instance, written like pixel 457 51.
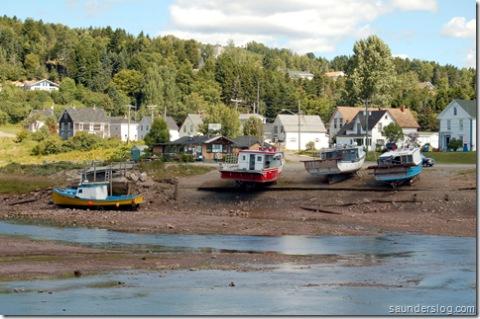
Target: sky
pixel 437 30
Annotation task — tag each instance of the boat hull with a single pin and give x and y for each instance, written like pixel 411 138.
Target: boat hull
pixel 397 174
pixel 266 176
pixel 61 197
pixel 332 167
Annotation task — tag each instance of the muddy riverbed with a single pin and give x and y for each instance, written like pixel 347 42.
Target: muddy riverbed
pixel 233 274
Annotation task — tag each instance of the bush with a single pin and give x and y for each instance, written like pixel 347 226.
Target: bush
pixel 455 144
pixel 22 135
pixel 3 118
pixel 40 135
pixel 83 141
pixel 186 158
pixel 50 145
pixel 310 146
pixel 121 153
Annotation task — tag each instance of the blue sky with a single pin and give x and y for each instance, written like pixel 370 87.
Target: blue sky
pixel 439 30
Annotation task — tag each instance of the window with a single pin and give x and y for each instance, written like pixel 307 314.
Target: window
pixel 449 125
pixel 460 137
pixel 217 148
pixel 334 123
pixel 96 127
pixel 455 111
pixel 460 123
pixel 243 157
pixel 85 127
pixel 380 127
pixel 275 129
pixel 259 158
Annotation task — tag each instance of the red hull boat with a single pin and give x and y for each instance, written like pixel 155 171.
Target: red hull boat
pixel 253 166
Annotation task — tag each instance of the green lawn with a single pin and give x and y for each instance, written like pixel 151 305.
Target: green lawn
pixel 453 157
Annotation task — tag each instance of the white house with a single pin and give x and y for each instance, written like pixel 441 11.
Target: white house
pixel 41 85
pixel 459 120
pixel 36 119
pixel 342 116
pixel 120 128
pixel 290 130
pixel 354 131
pixel 145 125
pixel 303 75
pixel 191 125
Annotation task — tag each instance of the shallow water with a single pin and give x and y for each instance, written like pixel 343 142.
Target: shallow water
pixel 414 269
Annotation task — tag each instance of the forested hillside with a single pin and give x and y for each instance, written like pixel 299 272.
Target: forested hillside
pixel 111 69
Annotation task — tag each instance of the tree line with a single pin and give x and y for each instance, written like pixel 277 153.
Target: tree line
pixel 112 69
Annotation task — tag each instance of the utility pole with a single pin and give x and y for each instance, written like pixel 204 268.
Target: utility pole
pixel 258 98
pixel 236 103
pixel 299 128
pixel 152 107
pixel 366 125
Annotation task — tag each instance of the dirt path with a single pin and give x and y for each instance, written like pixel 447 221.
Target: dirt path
pixel 7 135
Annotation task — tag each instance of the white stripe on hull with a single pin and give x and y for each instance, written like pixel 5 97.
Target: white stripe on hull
pixel 339 168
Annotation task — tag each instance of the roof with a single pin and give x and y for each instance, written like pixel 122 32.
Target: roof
pixel 119 119
pixel 189 140
pixel 404 117
pixel 246 116
pixel 196 119
pixel 89 114
pixel 373 119
pixel 246 141
pixel 299 74
pixel 308 123
pixel 470 106
pixel 34 82
pixel 171 124
pixel 348 112
pixel 334 74
pixel 41 113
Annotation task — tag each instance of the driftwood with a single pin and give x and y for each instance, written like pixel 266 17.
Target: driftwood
pixel 389 201
pixel 24 201
pixel 320 210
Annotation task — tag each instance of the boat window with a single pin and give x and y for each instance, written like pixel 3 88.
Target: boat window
pixel 259 158
pixel 80 191
pixel 243 157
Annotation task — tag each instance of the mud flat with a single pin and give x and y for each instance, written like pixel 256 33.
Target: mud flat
pixel 441 202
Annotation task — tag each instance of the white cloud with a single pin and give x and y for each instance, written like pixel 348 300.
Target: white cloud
pixel 458 27
pixel 420 5
pixel 300 25
pixel 471 58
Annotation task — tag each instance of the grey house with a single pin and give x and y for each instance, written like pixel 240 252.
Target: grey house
pixel 90 120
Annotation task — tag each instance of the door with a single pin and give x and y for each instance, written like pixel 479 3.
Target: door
pixel 447 140
pixel 252 162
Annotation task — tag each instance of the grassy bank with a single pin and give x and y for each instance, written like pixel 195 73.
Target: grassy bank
pixel 159 170
pixel 23 184
pixel 453 157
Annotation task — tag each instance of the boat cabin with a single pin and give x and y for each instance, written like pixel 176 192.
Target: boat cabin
pixel 344 154
pixel 251 160
pixel 408 157
pixel 92 190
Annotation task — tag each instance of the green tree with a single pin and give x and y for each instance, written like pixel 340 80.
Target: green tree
pixel 393 132
pixel 158 133
pixel 129 82
pixel 227 117
pixel 373 73
pixel 454 144
pixel 253 126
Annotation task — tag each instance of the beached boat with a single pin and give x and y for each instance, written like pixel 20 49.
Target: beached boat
pixel 340 160
pixel 93 194
pixel 398 167
pixel 253 166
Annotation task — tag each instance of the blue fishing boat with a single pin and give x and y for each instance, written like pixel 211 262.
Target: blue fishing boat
pixel 398 167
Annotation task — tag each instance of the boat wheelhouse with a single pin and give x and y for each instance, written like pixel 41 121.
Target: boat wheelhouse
pixel 253 166
pixel 336 161
pixel 398 167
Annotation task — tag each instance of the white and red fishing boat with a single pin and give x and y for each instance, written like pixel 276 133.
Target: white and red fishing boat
pixel 261 166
